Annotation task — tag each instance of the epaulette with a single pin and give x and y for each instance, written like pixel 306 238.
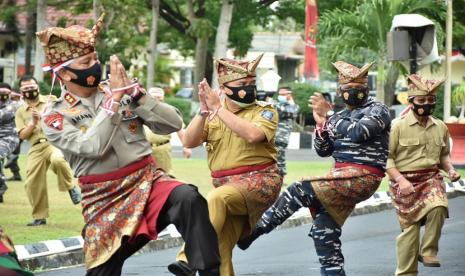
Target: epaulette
pixel 70 99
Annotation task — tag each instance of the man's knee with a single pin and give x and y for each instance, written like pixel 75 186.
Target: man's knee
pixel 189 194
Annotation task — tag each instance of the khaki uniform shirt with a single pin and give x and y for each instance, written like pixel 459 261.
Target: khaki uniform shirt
pixel 94 142
pixel 23 117
pixel 414 147
pixel 226 150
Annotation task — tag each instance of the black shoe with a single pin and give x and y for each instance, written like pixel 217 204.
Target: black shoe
pixel 1 198
pixel 37 222
pixel 247 241
pixel 180 268
pixel 210 272
pixel 15 177
pixel 75 195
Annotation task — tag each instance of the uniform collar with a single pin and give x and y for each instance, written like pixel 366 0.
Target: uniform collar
pixel 42 99
pixel 411 120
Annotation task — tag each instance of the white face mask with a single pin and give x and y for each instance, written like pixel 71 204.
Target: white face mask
pixel 282 99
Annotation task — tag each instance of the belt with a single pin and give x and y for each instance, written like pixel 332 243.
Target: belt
pixel 161 144
pixel 371 169
pixel 41 140
pixel 240 170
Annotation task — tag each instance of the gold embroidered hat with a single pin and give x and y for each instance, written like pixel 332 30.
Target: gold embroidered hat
pixel 349 73
pixel 419 86
pixel 230 69
pixel 63 44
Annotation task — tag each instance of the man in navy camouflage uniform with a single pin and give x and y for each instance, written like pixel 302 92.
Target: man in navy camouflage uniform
pixel 8 135
pixel 287 110
pixel 357 137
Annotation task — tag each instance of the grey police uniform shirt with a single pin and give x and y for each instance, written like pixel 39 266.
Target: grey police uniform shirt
pixel 95 142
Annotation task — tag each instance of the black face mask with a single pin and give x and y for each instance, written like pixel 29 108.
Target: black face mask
pixel 354 96
pixel 243 94
pixel 89 77
pixel 4 97
pixel 31 95
pixel 423 109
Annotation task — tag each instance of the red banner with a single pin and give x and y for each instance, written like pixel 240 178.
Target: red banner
pixel 311 71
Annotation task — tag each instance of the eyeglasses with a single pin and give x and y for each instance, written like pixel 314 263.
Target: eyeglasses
pixel 424 99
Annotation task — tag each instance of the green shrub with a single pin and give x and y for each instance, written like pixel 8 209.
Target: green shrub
pixel 183 105
pixel 301 92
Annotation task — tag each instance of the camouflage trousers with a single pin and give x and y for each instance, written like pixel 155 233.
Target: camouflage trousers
pixel 324 231
pixel 7 145
pixel 281 158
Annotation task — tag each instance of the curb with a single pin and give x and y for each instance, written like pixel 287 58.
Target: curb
pixel 67 252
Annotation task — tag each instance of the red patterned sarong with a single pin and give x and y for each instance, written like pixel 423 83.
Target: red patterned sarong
pixel 430 192
pixel 121 204
pixel 260 188
pixel 342 188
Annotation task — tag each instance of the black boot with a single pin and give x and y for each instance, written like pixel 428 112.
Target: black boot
pixel 16 176
pixel 210 272
pixel 247 241
pixel 180 268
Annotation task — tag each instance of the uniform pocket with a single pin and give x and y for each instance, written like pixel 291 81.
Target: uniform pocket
pixel 434 150
pixel 132 130
pixel 412 145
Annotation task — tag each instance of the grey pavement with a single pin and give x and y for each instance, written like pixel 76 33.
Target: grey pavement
pixel 368 244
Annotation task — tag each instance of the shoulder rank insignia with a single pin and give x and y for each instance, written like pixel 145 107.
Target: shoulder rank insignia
pixel 70 99
pixel 54 121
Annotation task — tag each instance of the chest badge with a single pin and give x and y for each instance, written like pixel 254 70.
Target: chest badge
pixel 132 127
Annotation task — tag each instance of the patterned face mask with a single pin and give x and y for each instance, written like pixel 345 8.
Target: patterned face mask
pixel 31 94
pixel 4 97
pixel 242 95
pixel 354 96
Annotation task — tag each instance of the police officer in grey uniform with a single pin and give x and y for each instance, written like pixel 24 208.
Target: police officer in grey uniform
pixel 8 135
pixel 287 110
pixel 126 200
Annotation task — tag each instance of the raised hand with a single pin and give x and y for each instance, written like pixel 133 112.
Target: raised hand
pixel 320 107
pixel 118 77
pixel 212 98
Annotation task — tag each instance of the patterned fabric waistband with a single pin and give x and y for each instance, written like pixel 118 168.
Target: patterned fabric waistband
pixel 240 170
pixel 371 169
pixel 118 174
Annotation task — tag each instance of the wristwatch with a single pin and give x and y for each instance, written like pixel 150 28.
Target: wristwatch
pixel 139 95
pixel 329 113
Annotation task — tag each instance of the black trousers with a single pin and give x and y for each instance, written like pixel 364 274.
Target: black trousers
pixel 188 211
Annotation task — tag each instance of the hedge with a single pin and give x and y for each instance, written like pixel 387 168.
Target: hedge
pixel 183 105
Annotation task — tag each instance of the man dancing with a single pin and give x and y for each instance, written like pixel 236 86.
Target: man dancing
pixel 418 149
pixel 126 199
pixel 241 155
pixel 357 138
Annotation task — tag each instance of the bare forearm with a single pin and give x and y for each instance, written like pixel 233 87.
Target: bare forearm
pixel 26 132
pixel 394 173
pixel 192 136
pixel 241 127
pixel 446 163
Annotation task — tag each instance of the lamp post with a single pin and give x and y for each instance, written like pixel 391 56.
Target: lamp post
pixel 269 83
pixel 447 87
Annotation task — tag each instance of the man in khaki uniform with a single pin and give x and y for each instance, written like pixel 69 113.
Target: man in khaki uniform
pixel 42 155
pixel 418 149
pixel 161 144
pixel 240 137
pixel 126 199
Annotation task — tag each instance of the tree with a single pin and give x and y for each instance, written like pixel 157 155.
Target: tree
pixel 40 25
pixel 222 35
pixel 152 47
pixel 361 31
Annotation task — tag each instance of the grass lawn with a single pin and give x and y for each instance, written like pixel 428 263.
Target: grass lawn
pixel 66 220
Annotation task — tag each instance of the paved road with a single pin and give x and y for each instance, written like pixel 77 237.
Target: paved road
pixel 368 245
